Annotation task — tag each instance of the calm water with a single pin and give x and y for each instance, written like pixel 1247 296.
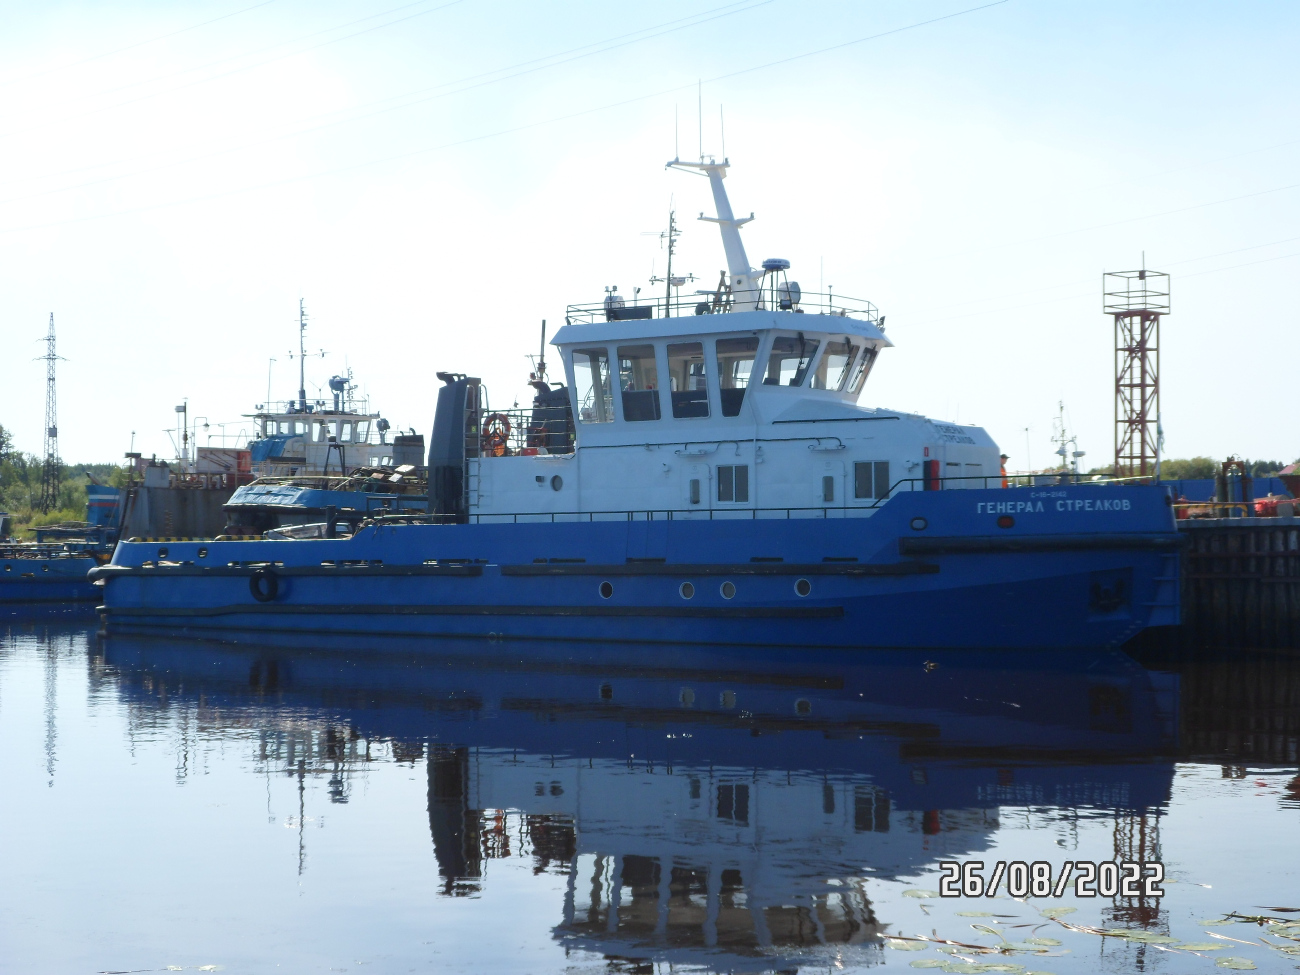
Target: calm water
pixel 476 807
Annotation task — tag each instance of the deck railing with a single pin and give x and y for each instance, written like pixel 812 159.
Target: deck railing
pixel 719 302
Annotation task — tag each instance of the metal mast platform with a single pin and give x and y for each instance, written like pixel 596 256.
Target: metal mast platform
pixel 1136 300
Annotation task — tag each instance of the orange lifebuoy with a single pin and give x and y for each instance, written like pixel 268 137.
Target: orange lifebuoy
pixel 496 434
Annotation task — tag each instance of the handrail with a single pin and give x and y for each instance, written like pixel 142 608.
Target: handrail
pixel 713 303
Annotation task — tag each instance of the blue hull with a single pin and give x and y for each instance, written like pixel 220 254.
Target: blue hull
pixel 47 580
pixel 1078 567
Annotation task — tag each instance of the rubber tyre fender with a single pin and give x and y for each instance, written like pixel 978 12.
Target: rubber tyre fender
pixel 264 585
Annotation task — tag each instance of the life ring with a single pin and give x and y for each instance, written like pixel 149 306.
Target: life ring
pixel 496 434
pixel 264 585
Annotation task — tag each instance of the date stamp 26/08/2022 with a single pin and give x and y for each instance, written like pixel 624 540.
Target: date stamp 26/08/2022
pixel 1021 878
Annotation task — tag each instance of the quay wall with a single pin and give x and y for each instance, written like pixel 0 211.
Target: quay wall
pixel 1241 582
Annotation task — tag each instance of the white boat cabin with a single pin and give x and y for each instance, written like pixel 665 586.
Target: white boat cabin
pixel 296 442
pixel 740 402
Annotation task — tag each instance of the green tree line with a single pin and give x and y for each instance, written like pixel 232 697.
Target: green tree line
pixel 20 487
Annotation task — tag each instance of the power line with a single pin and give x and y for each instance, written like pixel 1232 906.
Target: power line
pixel 493 135
pixel 527 67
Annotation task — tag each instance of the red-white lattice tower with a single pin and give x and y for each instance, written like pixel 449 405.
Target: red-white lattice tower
pixel 1137 300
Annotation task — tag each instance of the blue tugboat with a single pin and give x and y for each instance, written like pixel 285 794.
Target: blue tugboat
pixel 704 475
pixel 54 567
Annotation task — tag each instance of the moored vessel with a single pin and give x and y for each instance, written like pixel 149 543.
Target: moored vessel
pixel 703 474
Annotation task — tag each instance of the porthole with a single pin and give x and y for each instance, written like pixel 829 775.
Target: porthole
pixel 1006 521
pixel 687 697
pixel 727 699
pixel 203 553
pixel 803 706
pixel 606 590
pixel 557 482
pixel 919 524
pixel 686 590
pixel 606 692
pixel 803 587
pixel 162 553
pixel 728 590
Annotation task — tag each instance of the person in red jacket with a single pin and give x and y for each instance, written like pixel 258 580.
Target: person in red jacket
pixel 1005 458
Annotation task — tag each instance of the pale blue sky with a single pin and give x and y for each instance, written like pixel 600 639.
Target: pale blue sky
pixel 435 178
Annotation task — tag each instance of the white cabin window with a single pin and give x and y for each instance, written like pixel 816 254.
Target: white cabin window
pixel 322 432
pixel 863 368
pixel 733 483
pixel 836 364
pixel 638 379
pixel 735 367
pixel 591 385
pixel 363 431
pixel 345 432
pixel 689 385
pixel 871 479
pixel 787 363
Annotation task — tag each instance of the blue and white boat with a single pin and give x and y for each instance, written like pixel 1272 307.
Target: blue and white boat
pixel 704 475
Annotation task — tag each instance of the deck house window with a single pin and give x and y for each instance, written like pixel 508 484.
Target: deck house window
pixel 863 368
pixel 871 479
pixel 735 367
pixel 733 483
pixel 591 386
pixel 689 385
pixel 787 363
pixel 638 378
pixel 836 364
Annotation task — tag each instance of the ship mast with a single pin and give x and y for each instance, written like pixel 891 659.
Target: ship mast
pixel 745 293
pixel 302 356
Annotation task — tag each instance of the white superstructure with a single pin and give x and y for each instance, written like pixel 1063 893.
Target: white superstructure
pixel 742 401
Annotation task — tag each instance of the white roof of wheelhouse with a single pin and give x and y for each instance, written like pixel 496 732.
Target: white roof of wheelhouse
pixel 726 323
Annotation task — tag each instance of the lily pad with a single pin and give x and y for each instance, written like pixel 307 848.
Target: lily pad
pixel 1217 922
pixel 905 945
pixel 928 963
pixel 1239 964
pixel 919 892
pixel 1290 929
pixel 1050 942
pixel 1056 910
pixel 1287 949
pixel 1200 946
pixel 976 914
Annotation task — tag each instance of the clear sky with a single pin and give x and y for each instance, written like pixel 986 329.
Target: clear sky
pixel 435 178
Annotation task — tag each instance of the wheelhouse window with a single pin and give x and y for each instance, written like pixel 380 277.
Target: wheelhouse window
pixel 689 387
pixel 638 378
pixel 835 366
pixel 733 483
pixel 735 368
pixel 862 369
pixel 787 363
pixel 591 385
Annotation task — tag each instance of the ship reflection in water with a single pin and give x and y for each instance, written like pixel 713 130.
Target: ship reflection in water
pixel 730 810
